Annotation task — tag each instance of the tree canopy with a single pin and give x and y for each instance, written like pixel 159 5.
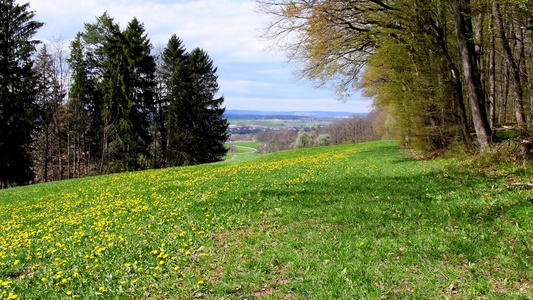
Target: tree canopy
pixel 18 89
pixel 439 69
pixel 126 109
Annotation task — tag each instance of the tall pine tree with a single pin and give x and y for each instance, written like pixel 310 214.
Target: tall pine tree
pixel 171 121
pixel 130 86
pixel 193 129
pixel 114 78
pixel 17 91
pixel 209 127
pixel 83 118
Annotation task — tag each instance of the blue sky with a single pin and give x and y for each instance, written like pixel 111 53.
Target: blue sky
pixel 251 76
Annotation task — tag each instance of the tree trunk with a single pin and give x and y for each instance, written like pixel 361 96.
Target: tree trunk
pixel 515 72
pixel 463 28
pixel 492 77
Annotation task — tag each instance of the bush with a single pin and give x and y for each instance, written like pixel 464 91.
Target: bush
pixel 323 140
pixel 304 140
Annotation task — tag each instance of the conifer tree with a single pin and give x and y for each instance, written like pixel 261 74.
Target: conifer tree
pixel 17 91
pixel 130 86
pixel 83 118
pixel 194 129
pixel 209 127
pixel 171 116
pixel 114 78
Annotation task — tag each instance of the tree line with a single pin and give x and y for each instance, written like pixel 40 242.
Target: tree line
pixel 442 72
pixel 353 129
pixel 110 104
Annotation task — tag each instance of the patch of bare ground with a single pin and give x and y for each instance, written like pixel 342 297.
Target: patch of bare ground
pixel 506 287
pixel 221 237
pixel 272 289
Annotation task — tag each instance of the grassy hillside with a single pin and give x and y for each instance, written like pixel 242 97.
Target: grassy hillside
pixel 343 222
pixel 245 149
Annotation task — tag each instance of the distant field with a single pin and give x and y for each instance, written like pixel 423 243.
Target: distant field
pixel 278 123
pixel 245 150
pixel 361 221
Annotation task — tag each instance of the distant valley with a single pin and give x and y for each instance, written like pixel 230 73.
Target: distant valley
pixel 252 121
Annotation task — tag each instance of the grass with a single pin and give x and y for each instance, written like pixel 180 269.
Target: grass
pixel 345 222
pixel 244 150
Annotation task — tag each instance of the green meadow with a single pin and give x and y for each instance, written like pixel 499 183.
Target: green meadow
pixel 361 221
pixel 245 149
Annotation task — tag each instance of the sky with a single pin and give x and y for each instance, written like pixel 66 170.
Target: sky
pixel 251 75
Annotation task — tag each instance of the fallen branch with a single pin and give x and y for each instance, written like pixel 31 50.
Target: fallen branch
pixel 522 184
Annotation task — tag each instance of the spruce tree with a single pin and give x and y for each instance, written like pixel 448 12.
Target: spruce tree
pixel 17 91
pixel 83 114
pixel 114 73
pixel 209 127
pixel 130 86
pixel 88 92
pixel 191 117
pixel 172 121
pixel 140 91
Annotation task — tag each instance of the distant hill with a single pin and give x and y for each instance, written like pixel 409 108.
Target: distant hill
pixel 255 114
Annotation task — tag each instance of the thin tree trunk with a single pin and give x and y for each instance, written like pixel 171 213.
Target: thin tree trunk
pixel 504 94
pixel 463 28
pixel 515 72
pixel 46 154
pixel 492 77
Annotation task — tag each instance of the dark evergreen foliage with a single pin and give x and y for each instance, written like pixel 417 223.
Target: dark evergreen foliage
pixel 209 127
pixel 129 94
pixel 18 110
pixel 172 124
pixel 118 117
pixel 137 120
pixel 192 116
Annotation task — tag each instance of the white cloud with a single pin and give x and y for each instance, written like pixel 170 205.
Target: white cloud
pixel 222 27
pixel 296 104
pixel 241 86
pixel 226 29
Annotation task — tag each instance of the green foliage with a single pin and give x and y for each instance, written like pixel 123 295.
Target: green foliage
pixel 128 91
pixel 210 124
pixel 418 60
pixel 143 115
pixel 343 222
pixel 191 123
pixel 323 140
pixel 18 82
pixel 304 140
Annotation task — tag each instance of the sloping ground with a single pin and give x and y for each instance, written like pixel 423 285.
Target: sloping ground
pixel 244 150
pixel 344 222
